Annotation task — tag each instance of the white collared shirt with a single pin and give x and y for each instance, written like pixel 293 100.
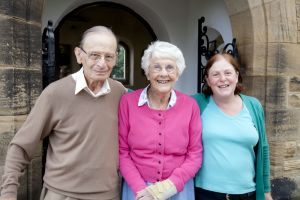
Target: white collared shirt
pixel 82 85
pixel 144 98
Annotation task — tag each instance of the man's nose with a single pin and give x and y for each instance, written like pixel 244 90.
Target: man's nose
pixel 100 61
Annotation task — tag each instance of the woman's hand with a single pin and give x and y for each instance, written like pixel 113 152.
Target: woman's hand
pixel 144 195
pixel 268 196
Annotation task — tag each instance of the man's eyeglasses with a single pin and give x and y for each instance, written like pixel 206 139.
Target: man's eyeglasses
pixel 158 68
pixel 94 56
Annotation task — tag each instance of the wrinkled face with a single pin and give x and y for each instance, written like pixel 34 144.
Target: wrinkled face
pixel 222 78
pixel 97 56
pixel 162 74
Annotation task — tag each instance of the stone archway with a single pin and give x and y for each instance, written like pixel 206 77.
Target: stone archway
pixel 268 43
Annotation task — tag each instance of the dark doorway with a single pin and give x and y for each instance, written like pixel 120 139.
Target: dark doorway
pixel 124 22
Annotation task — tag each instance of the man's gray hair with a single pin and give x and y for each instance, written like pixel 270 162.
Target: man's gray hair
pixel 97 29
pixel 163 50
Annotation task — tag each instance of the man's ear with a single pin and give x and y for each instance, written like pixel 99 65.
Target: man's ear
pixel 77 52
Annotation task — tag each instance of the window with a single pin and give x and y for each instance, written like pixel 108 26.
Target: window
pixel 121 70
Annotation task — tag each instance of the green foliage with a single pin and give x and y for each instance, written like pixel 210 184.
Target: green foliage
pixel 119 70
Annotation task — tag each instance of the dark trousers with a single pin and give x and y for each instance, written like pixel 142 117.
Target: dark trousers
pixel 201 194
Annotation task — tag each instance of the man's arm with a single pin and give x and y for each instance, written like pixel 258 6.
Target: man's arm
pixel 38 124
pixel 15 164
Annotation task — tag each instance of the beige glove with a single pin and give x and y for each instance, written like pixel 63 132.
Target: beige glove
pixel 144 195
pixel 162 190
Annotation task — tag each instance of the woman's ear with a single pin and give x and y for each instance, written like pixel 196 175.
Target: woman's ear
pixel 77 52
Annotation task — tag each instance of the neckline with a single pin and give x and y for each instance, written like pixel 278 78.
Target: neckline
pixel 211 99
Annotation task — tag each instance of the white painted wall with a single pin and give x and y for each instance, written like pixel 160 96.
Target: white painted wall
pixel 216 17
pixel 175 21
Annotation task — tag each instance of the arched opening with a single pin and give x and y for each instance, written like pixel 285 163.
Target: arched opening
pixel 124 22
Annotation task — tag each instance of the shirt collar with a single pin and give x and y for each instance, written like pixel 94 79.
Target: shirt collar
pixel 144 98
pixel 82 85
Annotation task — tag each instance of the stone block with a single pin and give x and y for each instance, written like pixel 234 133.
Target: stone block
pixel 281 20
pixel 290 149
pixel 255 86
pixel 283 59
pixel 18 88
pixel 259 25
pixel 20 44
pixel 14 8
pixel 276 154
pixel 30 10
pixel 291 165
pixel 294 100
pixel 276 171
pixel 289 59
pixel 282 125
pixel 11 123
pixel 276 92
pixel 273 59
pixel 235 7
pixel 298 12
pixel 298 36
pixel 294 84
pixel 298 23
pixel 243 33
pixel 5 138
pixel 253 59
pixel 36 10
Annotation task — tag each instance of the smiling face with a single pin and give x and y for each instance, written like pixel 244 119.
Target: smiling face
pixel 222 78
pixel 162 74
pixel 101 46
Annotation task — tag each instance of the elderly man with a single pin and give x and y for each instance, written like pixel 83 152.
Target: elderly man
pixel 79 114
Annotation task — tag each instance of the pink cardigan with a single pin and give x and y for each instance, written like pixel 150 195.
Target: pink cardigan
pixel 155 145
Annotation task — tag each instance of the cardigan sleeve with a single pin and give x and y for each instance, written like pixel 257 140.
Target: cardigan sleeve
pixel 127 166
pixel 263 160
pixel 23 145
pixel 265 151
pixel 193 161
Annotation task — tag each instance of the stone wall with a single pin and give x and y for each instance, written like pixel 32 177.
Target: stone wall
pixel 20 79
pixel 268 35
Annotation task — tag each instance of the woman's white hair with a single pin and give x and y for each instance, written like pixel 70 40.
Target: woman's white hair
pixel 163 50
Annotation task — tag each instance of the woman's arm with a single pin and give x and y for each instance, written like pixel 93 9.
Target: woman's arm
pixel 193 160
pixel 127 166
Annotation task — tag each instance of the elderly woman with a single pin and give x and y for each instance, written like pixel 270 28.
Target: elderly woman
pixel 236 153
pixel 159 131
